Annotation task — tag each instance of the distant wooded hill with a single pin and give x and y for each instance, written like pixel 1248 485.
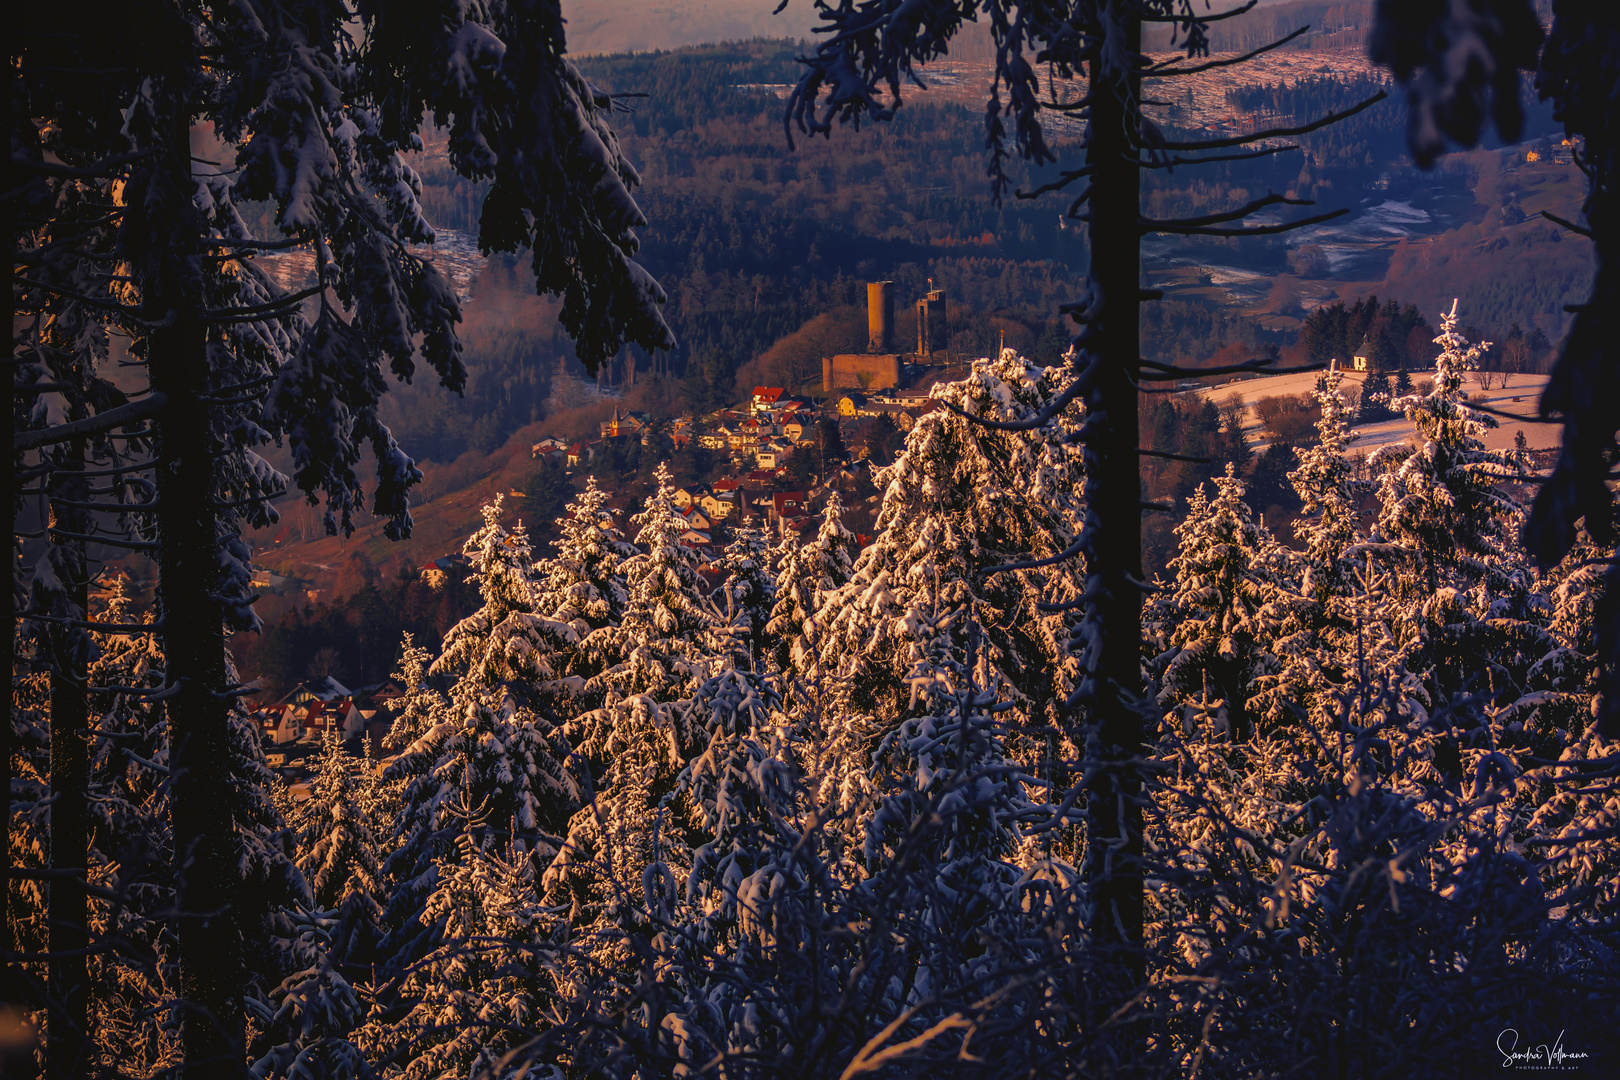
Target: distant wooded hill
pixel 753 239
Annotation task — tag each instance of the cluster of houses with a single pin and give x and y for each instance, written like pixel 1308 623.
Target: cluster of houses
pixel 765 432
pixel 904 407
pixel 762 434
pixel 760 437
pixel 754 496
pixel 303 717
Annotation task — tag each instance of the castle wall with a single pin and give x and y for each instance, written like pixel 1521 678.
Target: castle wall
pixel 860 371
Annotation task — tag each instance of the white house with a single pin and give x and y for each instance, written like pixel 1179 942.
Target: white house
pixel 549 448
pixel 310 718
pixel 765 398
pixel 772 453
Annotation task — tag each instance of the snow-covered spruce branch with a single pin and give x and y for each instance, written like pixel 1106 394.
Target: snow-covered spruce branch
pixel 119 416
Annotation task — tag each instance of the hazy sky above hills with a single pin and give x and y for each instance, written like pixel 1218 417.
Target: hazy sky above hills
pixel 597 26
pixel 604 26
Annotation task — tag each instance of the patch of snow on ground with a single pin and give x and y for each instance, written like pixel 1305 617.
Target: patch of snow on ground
pixel 1521 397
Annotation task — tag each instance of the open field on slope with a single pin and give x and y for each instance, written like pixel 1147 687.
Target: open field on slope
pixel 1520 398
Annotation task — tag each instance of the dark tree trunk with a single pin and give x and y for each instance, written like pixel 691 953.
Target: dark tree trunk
pixel 8 215
pixel 1113 492
pixel 205 849
pixel 68 972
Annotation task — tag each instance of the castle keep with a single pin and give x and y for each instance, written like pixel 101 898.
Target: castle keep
pixel 879 367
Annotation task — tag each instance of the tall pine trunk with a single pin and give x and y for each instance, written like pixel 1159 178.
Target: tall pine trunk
pixel 68 913
pixel 1113 493
pixel 205 849
pixel 9 988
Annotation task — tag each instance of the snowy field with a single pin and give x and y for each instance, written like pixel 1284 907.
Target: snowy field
pixel 1519 398
pixel 454 253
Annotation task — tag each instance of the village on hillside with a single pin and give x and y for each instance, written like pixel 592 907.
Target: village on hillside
pixel 779 456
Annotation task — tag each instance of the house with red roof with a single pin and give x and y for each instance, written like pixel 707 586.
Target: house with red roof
pixel 310 718
pixel 759 480
pixel 786 504
pixel 549 449
pixel 765 398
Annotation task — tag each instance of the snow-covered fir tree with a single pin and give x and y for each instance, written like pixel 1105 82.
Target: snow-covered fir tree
pixel 661 646
pixel 584 578
pixel 1467 606
pixel 507 641
pixel 959 501
pixel 1313 641
pixel 1575 589
pixel 483 984
pixel 742 786
pixel 642 737
pixel 1228 602
pixel 340 854
pixel 493 746
pixel 130 842
pixel 415 708
pixel 487 756
pixel 1328 493
pixel 1442 507
pixel 948 828
pixel 748 589
pixel 742 791
pixel 304 1025
pixel 807 573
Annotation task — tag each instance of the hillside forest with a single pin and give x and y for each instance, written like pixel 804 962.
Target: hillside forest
pixel 765 251
pixel 753 239
pixel 457 634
